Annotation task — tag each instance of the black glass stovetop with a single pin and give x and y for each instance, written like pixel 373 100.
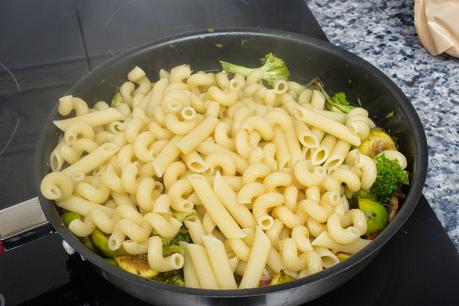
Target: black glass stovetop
pixel 46 46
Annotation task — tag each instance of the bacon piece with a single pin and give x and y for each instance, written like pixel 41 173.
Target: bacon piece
pixel 394 203
pixel 264 283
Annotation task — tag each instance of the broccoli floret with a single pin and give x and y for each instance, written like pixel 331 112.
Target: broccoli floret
pixel 274 68
pixel 389 177
pixel 174 277
pixel 171 249
pixel 170 246
pixel 362 193
pixel 338 103
pixel 182 235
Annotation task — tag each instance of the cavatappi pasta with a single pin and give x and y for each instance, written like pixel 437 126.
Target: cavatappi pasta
pixel 258 179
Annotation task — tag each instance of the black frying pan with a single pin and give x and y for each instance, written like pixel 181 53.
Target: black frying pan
pixel 306 58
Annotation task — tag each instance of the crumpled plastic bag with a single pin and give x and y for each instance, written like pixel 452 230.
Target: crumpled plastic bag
pixel 437 25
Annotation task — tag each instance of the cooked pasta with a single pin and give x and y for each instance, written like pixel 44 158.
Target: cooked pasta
pixel 281 149
pixel 239 212
pixel 217 175
pixel 202 266
pixel 160 263
pixel 257 260
pixel 219 262
pixel 214 207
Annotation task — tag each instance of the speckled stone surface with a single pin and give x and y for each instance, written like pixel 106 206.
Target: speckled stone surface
pixel 383 33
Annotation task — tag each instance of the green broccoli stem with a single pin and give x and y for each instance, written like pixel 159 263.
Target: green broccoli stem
pixel 171 249
pixel 341 108
pixel 228 67
pixel 337 103
pixel 174 277
pixel 273 67
pixel 317 84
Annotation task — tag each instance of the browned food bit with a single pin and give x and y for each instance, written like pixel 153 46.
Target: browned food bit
pixel 374 234
pixel 136 264
pixel 394 204
pixel 264 283
pixel 376 142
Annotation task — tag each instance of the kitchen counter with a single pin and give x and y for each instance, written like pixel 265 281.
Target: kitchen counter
pixel 383 33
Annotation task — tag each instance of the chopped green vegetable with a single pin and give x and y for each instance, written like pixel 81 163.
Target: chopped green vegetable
pixel 390 115
pixel 338 103
pixel 274 68
pixel 171 249
pixel 342 256
pixel 174 277
pixel 210 30
pixel 136 264
pixel 362 193
pixel 117 100
pixel 100 243
pixel 182 235
pixel 281 278
pixel 87 243
pixel 69 216
pixel 377 217
pixel 389 177
pixel 171 245
pixel 111 261
pixel 376 142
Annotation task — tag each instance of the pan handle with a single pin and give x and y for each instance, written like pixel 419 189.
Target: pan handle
pixel 22 223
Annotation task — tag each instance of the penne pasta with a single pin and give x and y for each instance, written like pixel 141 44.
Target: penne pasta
pixel 327 125
pixel 257 260
pixel 94 119
pixel 214 207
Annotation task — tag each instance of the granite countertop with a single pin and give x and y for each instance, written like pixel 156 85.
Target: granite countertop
pixel 383 33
